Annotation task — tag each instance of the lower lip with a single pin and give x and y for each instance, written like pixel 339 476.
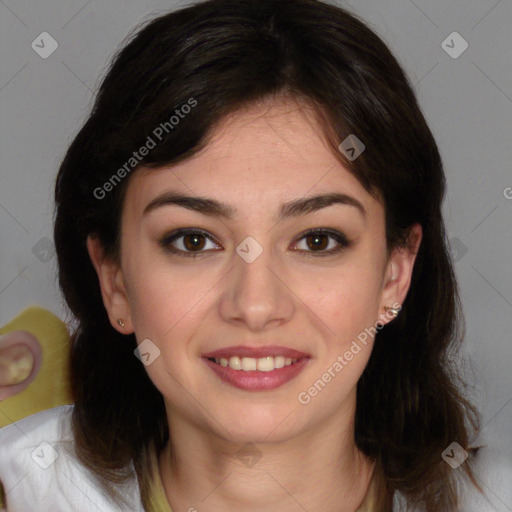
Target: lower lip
pixel 255 380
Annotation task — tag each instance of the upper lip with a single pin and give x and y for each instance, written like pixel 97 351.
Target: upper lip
pixel 256 352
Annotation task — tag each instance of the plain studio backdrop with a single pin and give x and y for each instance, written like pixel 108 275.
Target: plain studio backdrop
pixel 458 57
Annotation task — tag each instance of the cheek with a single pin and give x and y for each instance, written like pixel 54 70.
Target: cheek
pixel 348 306
pixel 166 308
pixel 346 300
pixel 166 302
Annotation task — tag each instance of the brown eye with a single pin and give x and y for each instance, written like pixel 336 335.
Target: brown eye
pixel 187 242
pixel 193 242
pixel 318 240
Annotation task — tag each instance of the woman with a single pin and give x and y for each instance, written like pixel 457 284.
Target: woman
pixel 249 233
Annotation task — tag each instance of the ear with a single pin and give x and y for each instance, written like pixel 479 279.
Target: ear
pixel 398 274
pixel 112 286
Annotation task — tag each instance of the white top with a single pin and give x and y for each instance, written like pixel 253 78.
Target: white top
pixel 39 472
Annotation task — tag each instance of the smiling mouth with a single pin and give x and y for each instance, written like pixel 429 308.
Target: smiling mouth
pixel 257 373
pixel 262 364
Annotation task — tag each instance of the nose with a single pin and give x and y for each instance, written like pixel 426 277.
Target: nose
pixel 256 294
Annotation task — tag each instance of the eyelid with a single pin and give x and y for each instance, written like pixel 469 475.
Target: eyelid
pixel 165 241
pixel 340 237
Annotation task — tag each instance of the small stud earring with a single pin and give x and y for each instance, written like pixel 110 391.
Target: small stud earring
pixel 120 322
pixel 392 310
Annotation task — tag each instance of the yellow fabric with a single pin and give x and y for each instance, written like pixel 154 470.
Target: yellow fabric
pixel 51 386
pixel 51 389
pixel 158 500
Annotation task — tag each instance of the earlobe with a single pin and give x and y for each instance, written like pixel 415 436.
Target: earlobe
pixel 399 274
pixel 113 291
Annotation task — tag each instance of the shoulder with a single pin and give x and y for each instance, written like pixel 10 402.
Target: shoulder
pixel 39 471
pixel 52 424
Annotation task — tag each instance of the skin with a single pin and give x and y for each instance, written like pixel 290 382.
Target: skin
pixel 257 159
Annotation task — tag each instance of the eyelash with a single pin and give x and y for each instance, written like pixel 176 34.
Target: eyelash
pixel 166 241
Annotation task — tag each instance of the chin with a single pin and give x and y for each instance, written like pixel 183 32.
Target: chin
pixel 257 423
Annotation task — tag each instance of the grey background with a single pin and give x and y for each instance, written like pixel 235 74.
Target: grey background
pixel 467 102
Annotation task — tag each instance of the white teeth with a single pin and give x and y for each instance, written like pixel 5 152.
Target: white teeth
pixel 248 363
pixel 235 362
pixel 262 364
pixel 266 364
pixel 279 361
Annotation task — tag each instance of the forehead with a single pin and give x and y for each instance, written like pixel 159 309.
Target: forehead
pixel 259 156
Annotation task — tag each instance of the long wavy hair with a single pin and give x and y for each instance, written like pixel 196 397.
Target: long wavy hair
pixel 224 55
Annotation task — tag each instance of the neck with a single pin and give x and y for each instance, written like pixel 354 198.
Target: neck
pixel 320 470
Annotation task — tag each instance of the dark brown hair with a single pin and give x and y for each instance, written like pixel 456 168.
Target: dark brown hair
pixel 224 55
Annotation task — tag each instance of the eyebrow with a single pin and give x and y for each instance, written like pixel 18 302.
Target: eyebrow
pixel 214 208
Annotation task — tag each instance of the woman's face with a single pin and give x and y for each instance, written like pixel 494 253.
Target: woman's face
pixel 254 283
